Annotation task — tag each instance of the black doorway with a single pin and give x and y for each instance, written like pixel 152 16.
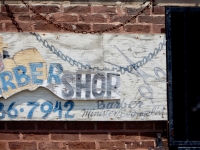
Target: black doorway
pixel 183 63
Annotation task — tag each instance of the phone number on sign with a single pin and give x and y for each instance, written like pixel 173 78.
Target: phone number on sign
pixel 46 108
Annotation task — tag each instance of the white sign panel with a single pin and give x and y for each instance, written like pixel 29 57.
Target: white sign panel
pixel 82 77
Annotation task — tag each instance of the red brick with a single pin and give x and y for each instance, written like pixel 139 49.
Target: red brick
pixel 139 125
pixel 26 17
pixel 137 28
pixel 23 26
pixel 140 144
pixel 81 145
pixel 133 21
pixel 44 145
pixel 22 145
pixel 15 145
pixel 158 28
pixel 77 9
pixel 83 125
pixel 46 8
pixel 51 125
pixel 14 8
pixel 102 27
pixel 37 18
pixel 152 135
pixel 117 136
pixel 134 11
pixel 2 124
pixel 104 9
pixel 21 125
pixel 29 146
pixel 123 136
pixel 120 19
pixel 152 19
pixel 9 136
pixel 3 146
pixel 132 136
pixel 94 136
pixel 52 146
pixel 67 136
pixel 109 125
pixel 158 10
pixel 46 27
pixel 148 135
pixel 80 27
pixel 4 16
pixel 112 145
pixel 93 18
pixel 63 18
pixel 58 146
pixel 35 136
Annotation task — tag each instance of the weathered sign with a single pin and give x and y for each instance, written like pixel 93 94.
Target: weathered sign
pixel 82 77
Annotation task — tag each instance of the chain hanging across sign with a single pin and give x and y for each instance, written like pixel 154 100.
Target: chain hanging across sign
pixel 87 80
pixel 91 77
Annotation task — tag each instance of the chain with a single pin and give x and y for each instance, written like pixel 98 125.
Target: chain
pixel 10 14
pixel 90 32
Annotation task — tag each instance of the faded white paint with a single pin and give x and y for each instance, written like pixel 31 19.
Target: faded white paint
pixel 142 88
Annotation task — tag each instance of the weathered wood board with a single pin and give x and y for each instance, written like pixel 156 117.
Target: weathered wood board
pixel 109 77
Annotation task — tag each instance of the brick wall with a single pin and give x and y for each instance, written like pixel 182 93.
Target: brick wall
pixel 82 17
pixel 80 135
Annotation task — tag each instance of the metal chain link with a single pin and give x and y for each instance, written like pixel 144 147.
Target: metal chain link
pixel 10 14
pixel 90 32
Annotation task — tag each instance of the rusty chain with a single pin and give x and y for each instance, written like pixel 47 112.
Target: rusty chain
pixel 10 14
pixel 90 32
